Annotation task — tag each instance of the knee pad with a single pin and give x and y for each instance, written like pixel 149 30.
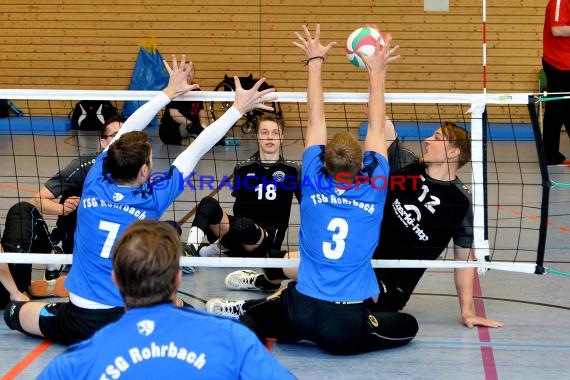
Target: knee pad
pixel 12 316
pixel 208 212
pixel 275 273
pixel 242 231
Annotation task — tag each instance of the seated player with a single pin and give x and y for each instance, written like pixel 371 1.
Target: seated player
pixel 26 231
pixel 445 152
pixel 263 187
pixel 117 193
pixel 440 208
pixel 211 347
pixel 327 304
pixel 60 195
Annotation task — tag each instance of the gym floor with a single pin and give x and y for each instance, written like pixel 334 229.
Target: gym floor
pixel 535 341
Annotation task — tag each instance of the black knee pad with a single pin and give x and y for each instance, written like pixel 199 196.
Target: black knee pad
pixel 275 273
pixel 242 231
pixel 12 316
pixel 208 212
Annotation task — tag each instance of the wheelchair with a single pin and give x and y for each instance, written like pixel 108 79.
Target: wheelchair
pixel 248 122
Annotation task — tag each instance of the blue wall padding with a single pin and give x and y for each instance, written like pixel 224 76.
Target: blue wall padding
pixel 421 130
pixel 35 124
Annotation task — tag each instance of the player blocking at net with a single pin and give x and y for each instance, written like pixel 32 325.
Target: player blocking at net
pixel 117 193
pixel 326 305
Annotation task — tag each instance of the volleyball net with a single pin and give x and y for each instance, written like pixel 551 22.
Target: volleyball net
pixel 507 175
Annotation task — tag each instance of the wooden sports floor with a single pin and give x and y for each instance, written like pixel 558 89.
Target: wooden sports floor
pixel 534 344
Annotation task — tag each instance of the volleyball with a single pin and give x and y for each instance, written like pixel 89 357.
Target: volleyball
pixel 362 40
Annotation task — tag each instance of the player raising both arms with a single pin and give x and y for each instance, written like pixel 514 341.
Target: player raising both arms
pixel 117 193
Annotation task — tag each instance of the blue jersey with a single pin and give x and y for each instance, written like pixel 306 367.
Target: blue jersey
pixel 104 211
pixel 165 342
pixel 340 225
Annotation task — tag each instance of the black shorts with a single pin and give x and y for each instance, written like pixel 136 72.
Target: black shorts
pixel 66 323
pixel 339 328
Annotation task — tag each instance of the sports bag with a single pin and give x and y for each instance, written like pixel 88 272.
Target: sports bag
pixel 91 115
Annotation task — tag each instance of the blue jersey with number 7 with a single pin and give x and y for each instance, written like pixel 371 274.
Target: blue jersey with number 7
pixel 340 226
pixel 104 211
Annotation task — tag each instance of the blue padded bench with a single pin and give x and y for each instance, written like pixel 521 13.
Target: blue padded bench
pixel 35 124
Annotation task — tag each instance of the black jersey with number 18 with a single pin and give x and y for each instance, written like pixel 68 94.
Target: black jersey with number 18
pixel 264 192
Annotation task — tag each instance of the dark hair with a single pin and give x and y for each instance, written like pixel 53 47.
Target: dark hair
pixel 146 261
pixel 269 116
pixel 113 119
pixel 459 138
pixel 127 155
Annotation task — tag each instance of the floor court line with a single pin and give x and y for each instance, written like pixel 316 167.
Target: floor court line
pixel 27 360
pixel 14 187
pixel 487 355
pixel 499 345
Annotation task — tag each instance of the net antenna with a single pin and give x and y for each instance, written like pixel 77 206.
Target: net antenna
pixel 484 47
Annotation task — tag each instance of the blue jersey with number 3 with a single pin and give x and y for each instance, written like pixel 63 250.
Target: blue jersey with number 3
pixel 104 211
pixel 340 225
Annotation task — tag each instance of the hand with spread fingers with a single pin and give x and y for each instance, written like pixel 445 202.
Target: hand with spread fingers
pixel 180 79
pixel 312 46
pixel 383 55
pixel 248 100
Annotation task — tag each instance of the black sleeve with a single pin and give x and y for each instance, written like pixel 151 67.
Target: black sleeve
pixel 235 181
pixel 463 234
pixel 298 192
pixel 70 179
pixel 399 156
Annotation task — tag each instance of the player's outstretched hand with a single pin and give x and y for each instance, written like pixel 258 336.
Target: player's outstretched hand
pixel 248 100
pixel 181 76
pixel 312 45
pixel 382 56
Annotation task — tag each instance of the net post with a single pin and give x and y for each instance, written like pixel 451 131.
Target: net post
pixel 546 184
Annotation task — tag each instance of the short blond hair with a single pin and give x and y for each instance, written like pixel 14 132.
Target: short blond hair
pixel 343 154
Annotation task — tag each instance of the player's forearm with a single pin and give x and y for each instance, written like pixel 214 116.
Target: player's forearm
pixel 561 31
pixel 47 205
pixel 464 278
pixel 377 112
pixel 144 115
pixel 7 280
pixel 178 117
pixel 187 160
pixel 316 130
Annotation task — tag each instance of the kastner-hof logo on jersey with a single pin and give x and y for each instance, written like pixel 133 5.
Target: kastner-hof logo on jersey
pixel 278 176
pixel 145 327
pixel 117 197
